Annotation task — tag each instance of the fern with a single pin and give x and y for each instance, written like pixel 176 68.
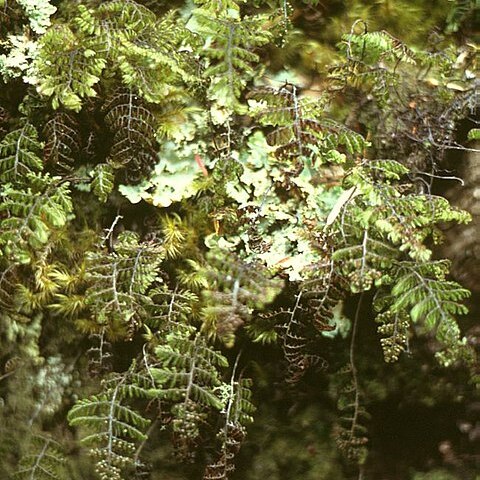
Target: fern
pixel 103 181
pixel 296 343
pixel 135 42
pixel 77 68
pixel 187 377
pixel 236 413
pixel 384 245
pixel 62 142
pixel 31 216
pixel 350 432
pixel 231 290
pixel 119 283
pixel 45 461
pixel 20 153
pixel 116 426
pixel 300 129
pixel 422 291
pixel 133 128
pixel 230 51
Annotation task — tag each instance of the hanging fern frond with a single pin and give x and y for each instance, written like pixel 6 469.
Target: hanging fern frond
pixel 143 48
pixel 29 217
pixel 63 142
pixel 295 342
pixel 431 300
pixel 20 153
pixel 116 427
pixel 230 50
pixel 350 432
pixel 301 130
pixel 133 127
pixel 103 181
pixel 77 68
pixel 236 414
pixel 322 294
pixel 45 460
pixel 187 377
pixel 119 282
pixel 231 291
pixel 393 328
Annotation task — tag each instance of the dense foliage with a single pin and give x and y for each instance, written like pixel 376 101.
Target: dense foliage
pixel 218 208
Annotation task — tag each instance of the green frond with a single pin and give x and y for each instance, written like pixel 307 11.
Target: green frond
pixel 20 154
pixel 76 69
pixel 229 44
pixel 188 377
pixel 103 181
pixel 119 282
pixel 62 142
pixel 44 461
pixel 32 215
pixel 234 289
pixel 116 427
pixel 301 129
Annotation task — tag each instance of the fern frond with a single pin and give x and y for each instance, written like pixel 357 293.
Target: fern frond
pixel 30 216
pixel 231 41
pixel 430 299
pixel 103 181
pixel 116 427
pixel 45 461
pixel 232 290
pixel 119 283
pixel 143 48
pixel 62 142
pixel 20 153
pixel 170 308
pixel 187 376
pixel 76 69
pixel 236 414
pixel 133 127
pixel 295 342
pixel 301 129
pixel 350 433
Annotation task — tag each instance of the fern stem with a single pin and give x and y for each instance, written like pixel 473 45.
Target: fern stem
pixel 110 422
pixel 38 461
pixel 353 366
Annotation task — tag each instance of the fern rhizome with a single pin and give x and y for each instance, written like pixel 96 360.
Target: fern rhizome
pixel 167 208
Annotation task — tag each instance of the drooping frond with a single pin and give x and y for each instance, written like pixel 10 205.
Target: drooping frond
pixel 236 414
pixel 430 300
pixel 133 127
pixel 301 130
pixel 20 153
pixel 76 68
pixel 187 377
pixel 295 342
pixel 119 282
pixel 230 50
pixel 30 216
pixel 231 291
pixel 350 432
pixel 115 426
pixel 381 240
pixel 62 142
pixel 141 47
pixel 44 461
